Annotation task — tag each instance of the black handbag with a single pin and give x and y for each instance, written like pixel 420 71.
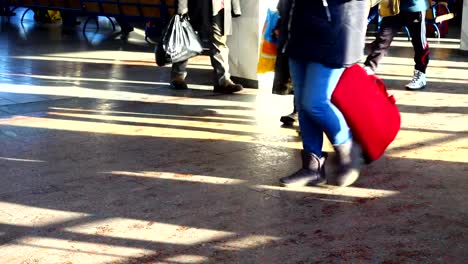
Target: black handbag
pixel 179 42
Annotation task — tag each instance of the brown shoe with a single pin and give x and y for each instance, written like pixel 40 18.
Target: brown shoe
pixel 178 84
pixel 228 88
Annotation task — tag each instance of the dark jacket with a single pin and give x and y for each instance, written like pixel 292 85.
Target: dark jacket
pixel 283 7
pixel 201 13
pixel 201 18
pixel 335 40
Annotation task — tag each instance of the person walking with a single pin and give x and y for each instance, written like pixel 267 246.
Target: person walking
pixel 281 82
pixel 323 38
pixel 412 15
pixel 212 19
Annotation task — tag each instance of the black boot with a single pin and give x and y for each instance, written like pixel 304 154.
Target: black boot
pixel 312 172
pixel 348 161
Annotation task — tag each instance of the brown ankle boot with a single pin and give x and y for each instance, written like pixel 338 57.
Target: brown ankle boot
pixel 178 83
pixel 228 87
pixel 312 172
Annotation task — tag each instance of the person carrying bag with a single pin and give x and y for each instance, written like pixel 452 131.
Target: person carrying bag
pixel 212 20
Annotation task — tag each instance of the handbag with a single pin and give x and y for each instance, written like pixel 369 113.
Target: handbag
pixel 179 42
pixel 370 112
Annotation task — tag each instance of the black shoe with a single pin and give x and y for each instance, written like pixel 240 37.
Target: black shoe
pixel 179 84
pixel 229 88
pixel 126 29
pixel 289 120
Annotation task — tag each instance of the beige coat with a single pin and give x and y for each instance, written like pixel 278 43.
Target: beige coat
pixel 230 6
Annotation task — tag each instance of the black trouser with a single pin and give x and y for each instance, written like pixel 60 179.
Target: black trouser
pixel 415 22
pixel 282 75
pixel 69 19
pixel 123 23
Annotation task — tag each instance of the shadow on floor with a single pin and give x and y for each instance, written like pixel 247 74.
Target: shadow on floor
pixel 230 187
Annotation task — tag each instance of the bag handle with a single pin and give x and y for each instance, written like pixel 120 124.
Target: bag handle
pixel 382 87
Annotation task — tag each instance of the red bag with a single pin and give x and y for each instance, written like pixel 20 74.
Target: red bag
pixel 369 110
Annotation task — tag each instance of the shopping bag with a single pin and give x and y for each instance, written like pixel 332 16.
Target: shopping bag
pixel 269 44
pixel 179 42
pixel 370 112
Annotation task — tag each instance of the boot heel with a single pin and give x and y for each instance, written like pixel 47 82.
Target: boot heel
pixel 348 161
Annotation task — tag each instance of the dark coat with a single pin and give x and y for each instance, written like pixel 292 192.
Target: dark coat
pixel 200 14
pixel 283 7
pixel 335 41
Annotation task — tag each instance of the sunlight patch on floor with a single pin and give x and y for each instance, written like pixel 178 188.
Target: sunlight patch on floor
pixel 185 258
pixel 331 190
pixel 162 130
pixel 246 242
pixel 21 160
pixel 80 79
pixel 110 57
pixel 429 146
pixel 409 61
pixel 155 115
pixel 32 216
pixel 54 250
pixel 408 76
pixel 179 177
pixel 73 90
pixel 139 231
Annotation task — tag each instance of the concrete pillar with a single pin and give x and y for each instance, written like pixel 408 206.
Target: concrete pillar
pixel 244 43
pixel 464 28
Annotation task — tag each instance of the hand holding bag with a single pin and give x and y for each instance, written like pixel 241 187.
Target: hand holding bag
pixel 179 42
pixel 369 110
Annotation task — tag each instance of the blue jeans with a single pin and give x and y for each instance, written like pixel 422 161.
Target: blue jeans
pixel 314 84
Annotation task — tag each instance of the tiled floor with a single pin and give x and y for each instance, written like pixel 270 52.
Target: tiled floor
pixel 100 162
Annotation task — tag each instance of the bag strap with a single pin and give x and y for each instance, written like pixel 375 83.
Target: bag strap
pixel 383 88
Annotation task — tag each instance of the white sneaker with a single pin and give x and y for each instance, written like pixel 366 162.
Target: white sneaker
pixel 418 82
pixel 369 70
